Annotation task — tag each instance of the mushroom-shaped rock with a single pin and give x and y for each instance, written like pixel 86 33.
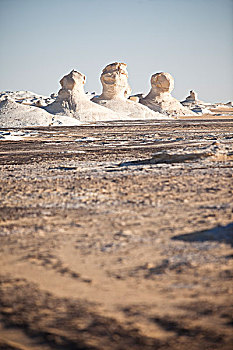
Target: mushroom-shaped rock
pixel 72 101
pixel 16 115
pixel 160 99
pixel 114 79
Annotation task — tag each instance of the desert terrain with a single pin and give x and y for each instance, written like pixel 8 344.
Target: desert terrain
pixel 117 235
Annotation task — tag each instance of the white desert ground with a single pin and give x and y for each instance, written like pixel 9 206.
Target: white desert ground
pixel 116 218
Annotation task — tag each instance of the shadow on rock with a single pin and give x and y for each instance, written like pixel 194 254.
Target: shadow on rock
pixel 219 233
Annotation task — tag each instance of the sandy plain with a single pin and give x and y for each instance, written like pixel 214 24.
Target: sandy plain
pixel 103 248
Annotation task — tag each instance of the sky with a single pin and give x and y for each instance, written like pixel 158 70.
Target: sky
pixel 42 40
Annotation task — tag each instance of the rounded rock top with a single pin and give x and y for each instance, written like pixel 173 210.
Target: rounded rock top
pixel 116 67
pixel 162 82
pixel 69 81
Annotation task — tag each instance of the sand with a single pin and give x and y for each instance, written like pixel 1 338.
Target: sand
pixel 106 245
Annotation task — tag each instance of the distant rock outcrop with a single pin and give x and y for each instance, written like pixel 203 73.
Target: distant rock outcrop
pixel 160 99
pixel 27 98
pixel 196 105
pixel 16 115
pixel 192 96
pixel 192 100
pixel 72 101
pixel 114 79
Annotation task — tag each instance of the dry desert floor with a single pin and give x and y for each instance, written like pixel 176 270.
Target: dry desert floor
pixel 104 245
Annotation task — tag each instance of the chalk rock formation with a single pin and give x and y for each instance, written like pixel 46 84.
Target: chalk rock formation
pixel 114 79
pixel 192 100
pixel 27 98
pixel 128 91
pixel 159 98
pixel 192 97
pixel 40 103
pixel 72 101
pixel 196 105
pixel 16 115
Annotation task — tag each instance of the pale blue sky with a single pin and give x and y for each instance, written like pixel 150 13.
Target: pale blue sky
pixel 42 40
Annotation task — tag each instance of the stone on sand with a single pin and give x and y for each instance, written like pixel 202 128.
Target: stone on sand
pixel 116 89
pixel 160 99
pixel 134 98
pixel 40 103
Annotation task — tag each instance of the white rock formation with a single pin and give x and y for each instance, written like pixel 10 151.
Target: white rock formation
pixel 196 105
pixel 192 96
pixel 128 91
pixel 160 99
pixel 27 98
pixel 192 100
pixel 72 101
pixel 114 79
pixel 16 115
pixel 40 103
